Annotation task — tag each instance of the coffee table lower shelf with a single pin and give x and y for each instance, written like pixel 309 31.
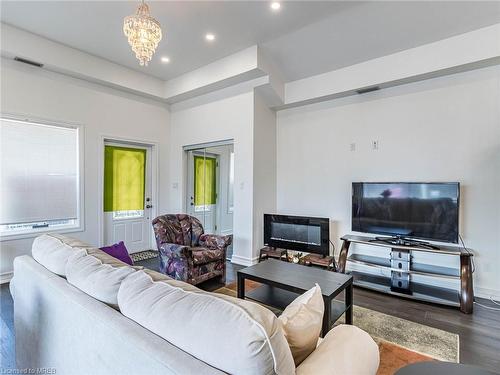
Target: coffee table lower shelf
pixel 280 299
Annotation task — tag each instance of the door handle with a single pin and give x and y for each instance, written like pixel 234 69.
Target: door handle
pixel 149 206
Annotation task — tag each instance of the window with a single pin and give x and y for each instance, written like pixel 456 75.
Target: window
pixel 230 198
pixel 39 178
pixel 124 181
pixel 205 193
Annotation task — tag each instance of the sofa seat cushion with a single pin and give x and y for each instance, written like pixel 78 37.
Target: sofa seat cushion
pixel 53 251
pixel 208 326
pixel 346 349
pixel 203 255
pixel 98 274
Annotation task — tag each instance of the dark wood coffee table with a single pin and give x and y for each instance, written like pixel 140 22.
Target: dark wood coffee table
pixel 283 282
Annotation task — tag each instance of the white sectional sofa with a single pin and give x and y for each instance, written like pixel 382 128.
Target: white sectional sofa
pixel 79 311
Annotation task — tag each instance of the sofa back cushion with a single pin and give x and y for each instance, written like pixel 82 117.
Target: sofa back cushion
pixel 98 274
pixel 53 251
pixel 208 326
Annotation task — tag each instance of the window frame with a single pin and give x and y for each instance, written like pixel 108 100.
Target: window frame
pixel 230 189
pixel 79 225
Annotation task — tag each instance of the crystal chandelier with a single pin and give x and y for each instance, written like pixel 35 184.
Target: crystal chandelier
pixel 143 33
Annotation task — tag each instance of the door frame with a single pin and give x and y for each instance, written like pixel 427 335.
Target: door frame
pixel 190 182
pixel 100 178
pixel 184 158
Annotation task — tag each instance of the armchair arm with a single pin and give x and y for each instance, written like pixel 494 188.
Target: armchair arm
pixel 215 242
pixel 175 260
pixel 172 250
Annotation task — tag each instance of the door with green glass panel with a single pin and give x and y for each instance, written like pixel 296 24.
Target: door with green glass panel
pixel 203 184
pixel 127 196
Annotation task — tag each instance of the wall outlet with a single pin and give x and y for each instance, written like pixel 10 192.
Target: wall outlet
pixel 375 145
pixel 352 147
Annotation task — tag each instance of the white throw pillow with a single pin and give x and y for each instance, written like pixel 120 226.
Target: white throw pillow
pixel 53 251
pixel 302 321
pixel 233 335
pixel 98 274
pixel 345 350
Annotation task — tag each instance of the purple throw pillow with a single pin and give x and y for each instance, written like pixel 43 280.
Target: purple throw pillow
pixel 119 251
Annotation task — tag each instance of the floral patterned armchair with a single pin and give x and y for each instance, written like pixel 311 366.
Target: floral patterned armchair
pixel 186 253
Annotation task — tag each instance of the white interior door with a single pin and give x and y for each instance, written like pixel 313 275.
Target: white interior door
pixel 202 188
pixel 132 226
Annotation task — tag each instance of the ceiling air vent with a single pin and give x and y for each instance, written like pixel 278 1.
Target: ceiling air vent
pixel 368 89
pixel 29 62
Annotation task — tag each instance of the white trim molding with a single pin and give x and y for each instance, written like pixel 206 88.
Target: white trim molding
pixel 5 277
pixel 244 261
pixel 487 293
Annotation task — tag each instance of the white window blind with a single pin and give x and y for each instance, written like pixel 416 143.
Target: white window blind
pixel 38 172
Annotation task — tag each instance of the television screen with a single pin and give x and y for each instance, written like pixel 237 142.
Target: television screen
pixel 410 209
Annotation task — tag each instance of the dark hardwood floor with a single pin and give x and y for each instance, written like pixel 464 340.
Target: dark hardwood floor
pixel 7 340
pixel 479 332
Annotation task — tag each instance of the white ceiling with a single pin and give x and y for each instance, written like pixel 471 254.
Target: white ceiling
pixel 303 38
pixel 370 30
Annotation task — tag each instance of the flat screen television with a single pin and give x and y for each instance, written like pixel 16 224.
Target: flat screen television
pixel 417 210
pixel 301 233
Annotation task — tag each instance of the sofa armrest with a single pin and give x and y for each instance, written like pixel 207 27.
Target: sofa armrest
pixel 345 350
pixel 214 241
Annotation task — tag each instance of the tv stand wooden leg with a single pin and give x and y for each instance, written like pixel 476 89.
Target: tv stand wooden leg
pixel 466 287
pixel 343 256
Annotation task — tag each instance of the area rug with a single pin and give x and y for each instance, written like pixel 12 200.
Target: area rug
pixel 400 341
pixel 144 255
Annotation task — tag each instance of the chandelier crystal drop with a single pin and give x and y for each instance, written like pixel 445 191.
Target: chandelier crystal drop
pixel 143 33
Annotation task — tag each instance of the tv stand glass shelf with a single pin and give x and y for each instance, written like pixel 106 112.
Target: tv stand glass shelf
pixel 401 267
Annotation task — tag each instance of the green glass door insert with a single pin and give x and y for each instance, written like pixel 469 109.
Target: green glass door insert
pixel 204 180
pixel 124 178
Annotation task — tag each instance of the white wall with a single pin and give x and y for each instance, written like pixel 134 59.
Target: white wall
pixel 209 119
pixel 264 168
pixel 444 129
pixel 242 115
pixel 101 111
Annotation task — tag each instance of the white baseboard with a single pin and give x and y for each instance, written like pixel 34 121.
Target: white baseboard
pixel 244 261
pixel 6 277
pixel 487 293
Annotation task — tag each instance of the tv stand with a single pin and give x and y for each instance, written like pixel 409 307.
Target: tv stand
pixel 324 261
pixel 401 267
pixel 403 241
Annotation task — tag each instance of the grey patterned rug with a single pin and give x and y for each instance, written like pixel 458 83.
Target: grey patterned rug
pixel 144 255
pixel 436 343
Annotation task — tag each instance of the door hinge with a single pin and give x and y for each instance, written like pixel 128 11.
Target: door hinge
pixel 215 226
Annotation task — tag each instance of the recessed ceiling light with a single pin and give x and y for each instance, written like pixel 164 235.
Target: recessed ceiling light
pixel 210 37
pixel 275 5
pixel 165 59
